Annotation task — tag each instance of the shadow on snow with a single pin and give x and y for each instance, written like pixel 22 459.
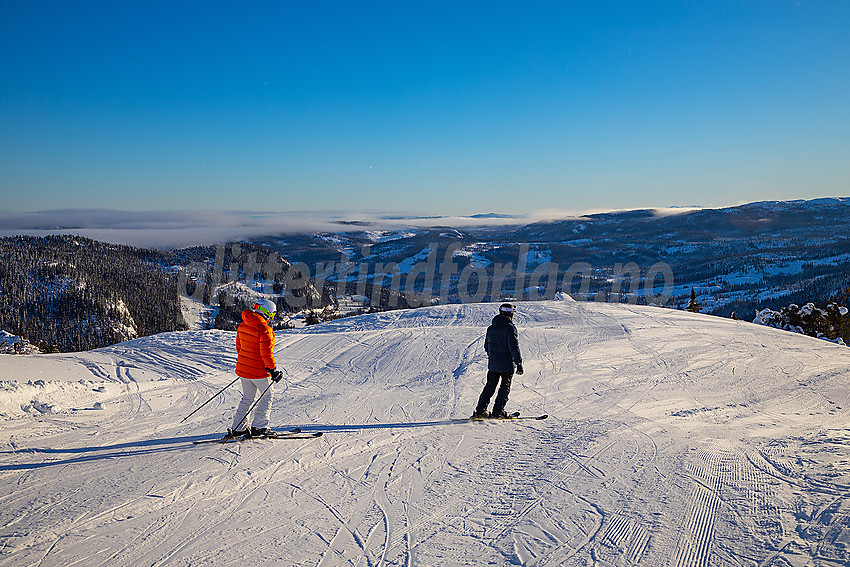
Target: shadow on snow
pixel 153 446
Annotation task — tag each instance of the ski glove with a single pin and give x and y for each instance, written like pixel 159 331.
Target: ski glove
pixel 519 369
pixel 275 374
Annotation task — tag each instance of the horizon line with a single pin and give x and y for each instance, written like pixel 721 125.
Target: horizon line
pixel 181 228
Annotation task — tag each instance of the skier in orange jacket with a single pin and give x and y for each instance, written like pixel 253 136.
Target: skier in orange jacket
pixel 256 366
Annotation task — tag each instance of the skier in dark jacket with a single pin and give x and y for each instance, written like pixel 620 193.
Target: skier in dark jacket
pixel 502 347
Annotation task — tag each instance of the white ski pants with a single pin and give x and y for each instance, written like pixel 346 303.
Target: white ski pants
pixel 251 388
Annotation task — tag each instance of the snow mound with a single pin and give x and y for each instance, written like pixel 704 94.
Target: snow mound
pixel 40 397
pixel 12 344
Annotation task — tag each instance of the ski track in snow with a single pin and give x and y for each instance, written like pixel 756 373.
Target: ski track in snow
pixel 674 440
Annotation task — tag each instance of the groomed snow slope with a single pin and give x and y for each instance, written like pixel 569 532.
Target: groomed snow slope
pixel 673 439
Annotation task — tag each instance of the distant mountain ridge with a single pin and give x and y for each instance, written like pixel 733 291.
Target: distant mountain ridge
pixel 739 259
pixel 72 293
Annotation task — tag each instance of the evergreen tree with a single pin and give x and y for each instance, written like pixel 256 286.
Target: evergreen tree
pixel 832 322
pixel 693 305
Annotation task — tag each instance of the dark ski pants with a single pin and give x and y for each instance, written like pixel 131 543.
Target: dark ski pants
pixel 489 388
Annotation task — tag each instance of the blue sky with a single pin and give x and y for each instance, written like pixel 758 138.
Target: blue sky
pixel 448 108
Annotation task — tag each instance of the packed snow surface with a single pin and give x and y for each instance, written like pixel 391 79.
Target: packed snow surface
pixel 674 439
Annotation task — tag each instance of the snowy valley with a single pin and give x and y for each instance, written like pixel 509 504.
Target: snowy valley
pixel 673 439
pixel 738 259
pixel 68 293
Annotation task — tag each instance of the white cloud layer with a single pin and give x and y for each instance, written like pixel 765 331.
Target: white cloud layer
pixel 175 229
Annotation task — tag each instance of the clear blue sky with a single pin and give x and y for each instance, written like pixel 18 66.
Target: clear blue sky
pixel 436 107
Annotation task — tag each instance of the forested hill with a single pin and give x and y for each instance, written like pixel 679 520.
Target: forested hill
pixel 67 293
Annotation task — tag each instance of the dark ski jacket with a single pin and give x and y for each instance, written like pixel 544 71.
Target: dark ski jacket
pixel 502 345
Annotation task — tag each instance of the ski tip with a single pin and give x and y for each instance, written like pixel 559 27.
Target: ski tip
pixel 291 435
pixel 204 441
pixel 544 416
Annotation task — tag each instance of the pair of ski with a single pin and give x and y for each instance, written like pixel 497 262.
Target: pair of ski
pixel 511 417
pixel 296 433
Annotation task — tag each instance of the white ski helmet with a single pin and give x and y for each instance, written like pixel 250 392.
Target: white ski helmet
pixel 507 308
pixel 265 308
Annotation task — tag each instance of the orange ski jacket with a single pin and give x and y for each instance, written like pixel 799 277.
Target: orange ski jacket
pixel 254 347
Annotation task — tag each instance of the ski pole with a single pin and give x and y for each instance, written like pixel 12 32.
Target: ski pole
pixel 247 413
pixel 209 400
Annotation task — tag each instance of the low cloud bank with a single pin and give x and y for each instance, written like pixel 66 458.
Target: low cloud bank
pixel 176 229
pixel 173 229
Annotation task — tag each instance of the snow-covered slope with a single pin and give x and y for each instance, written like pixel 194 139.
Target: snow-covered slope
pixel 673 439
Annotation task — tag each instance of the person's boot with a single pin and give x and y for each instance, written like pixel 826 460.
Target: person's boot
pixel 237 433
pixel 480 414
pixel 262 432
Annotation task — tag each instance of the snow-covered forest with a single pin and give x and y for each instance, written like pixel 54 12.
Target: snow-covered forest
pixel 66 293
